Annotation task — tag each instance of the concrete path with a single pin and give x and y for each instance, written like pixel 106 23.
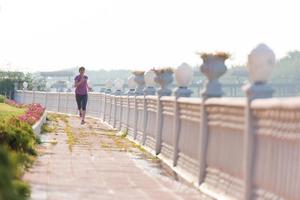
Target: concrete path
pixel 85 162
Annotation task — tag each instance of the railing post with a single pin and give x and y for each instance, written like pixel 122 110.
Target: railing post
pixel 108 86
pixel 203 140
pixel 67 102
pixel 139 79
pixel 158 126
pixel 128 108
pixel 33 96
pixel 135 118
pixel 115 111
pixel 149 90
pixel 23 99
pixel 145 121
pixel 110 108
pixel 46 99
pixel 164 77
pixel 121 113
pixel 100 105
pixel 104 109
pixel 176 129
pixel 213 68
pixel 58 102
pixel 183 76
pixel 119 83
pixel 261 61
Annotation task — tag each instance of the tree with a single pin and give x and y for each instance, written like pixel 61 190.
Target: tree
pixel 287 68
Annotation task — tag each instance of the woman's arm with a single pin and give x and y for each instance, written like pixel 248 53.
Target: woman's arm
pixel 88 87
pixel 77 83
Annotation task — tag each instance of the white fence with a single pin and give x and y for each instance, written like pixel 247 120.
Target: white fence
pixel 207 142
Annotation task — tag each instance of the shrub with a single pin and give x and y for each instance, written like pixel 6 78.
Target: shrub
pixel 17 148
pixel 18 136
pixel 11 185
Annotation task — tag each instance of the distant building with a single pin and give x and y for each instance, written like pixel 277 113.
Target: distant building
pixel 58 75
pixel 59 80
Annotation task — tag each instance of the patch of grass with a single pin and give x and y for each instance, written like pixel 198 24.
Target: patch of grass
pixel 56 117
pixel 47 129
pixel 139 147
pixel 105 145
pixel 7 111
pixel 123 133
pixel 53 142
pixel 53 117
pixel 2 99
pixel 70 135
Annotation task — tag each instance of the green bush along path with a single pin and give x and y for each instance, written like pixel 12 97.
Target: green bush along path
pixel 17 151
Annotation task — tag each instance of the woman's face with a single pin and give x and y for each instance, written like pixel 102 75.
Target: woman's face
pixel 81 71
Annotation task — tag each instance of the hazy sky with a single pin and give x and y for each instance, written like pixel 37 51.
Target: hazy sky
pixel 140 34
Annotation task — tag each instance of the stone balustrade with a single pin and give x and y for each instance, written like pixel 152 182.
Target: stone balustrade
pixel 175 133
pixel 231 148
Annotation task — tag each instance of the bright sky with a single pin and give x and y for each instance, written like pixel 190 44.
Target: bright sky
pixel 49 35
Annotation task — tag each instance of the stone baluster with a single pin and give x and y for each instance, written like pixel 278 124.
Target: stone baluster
pixel 261 62
pixel 164 77
pixel 213 68
pixel 149 90
pixel 140 85
pixel 119 83
pixel 183 76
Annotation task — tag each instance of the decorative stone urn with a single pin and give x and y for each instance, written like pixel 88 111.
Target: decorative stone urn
pixel 131 86
pixel 213 68
pixel 261 62
pixel 164 77
pixel 140 82
pixel 183 76
pixel 150 83
pixel 119 83
pixel 108 86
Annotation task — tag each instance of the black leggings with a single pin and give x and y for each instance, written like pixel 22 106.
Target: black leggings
pixel 81 101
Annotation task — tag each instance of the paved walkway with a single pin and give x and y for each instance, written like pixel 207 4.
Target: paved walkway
pixel 83 162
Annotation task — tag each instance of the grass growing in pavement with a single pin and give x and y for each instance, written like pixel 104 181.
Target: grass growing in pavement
pixel 70 135
pixel 7 111
pixel 53 117
pixel 56 117
pixel 47 129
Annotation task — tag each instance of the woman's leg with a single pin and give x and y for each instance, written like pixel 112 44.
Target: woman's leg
pixel 84 103
pixel 79 103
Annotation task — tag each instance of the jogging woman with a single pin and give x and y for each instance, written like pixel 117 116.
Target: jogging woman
pixel 81 93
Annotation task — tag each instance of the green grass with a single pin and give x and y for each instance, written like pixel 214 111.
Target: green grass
pixel 47 129
pixel 7 111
